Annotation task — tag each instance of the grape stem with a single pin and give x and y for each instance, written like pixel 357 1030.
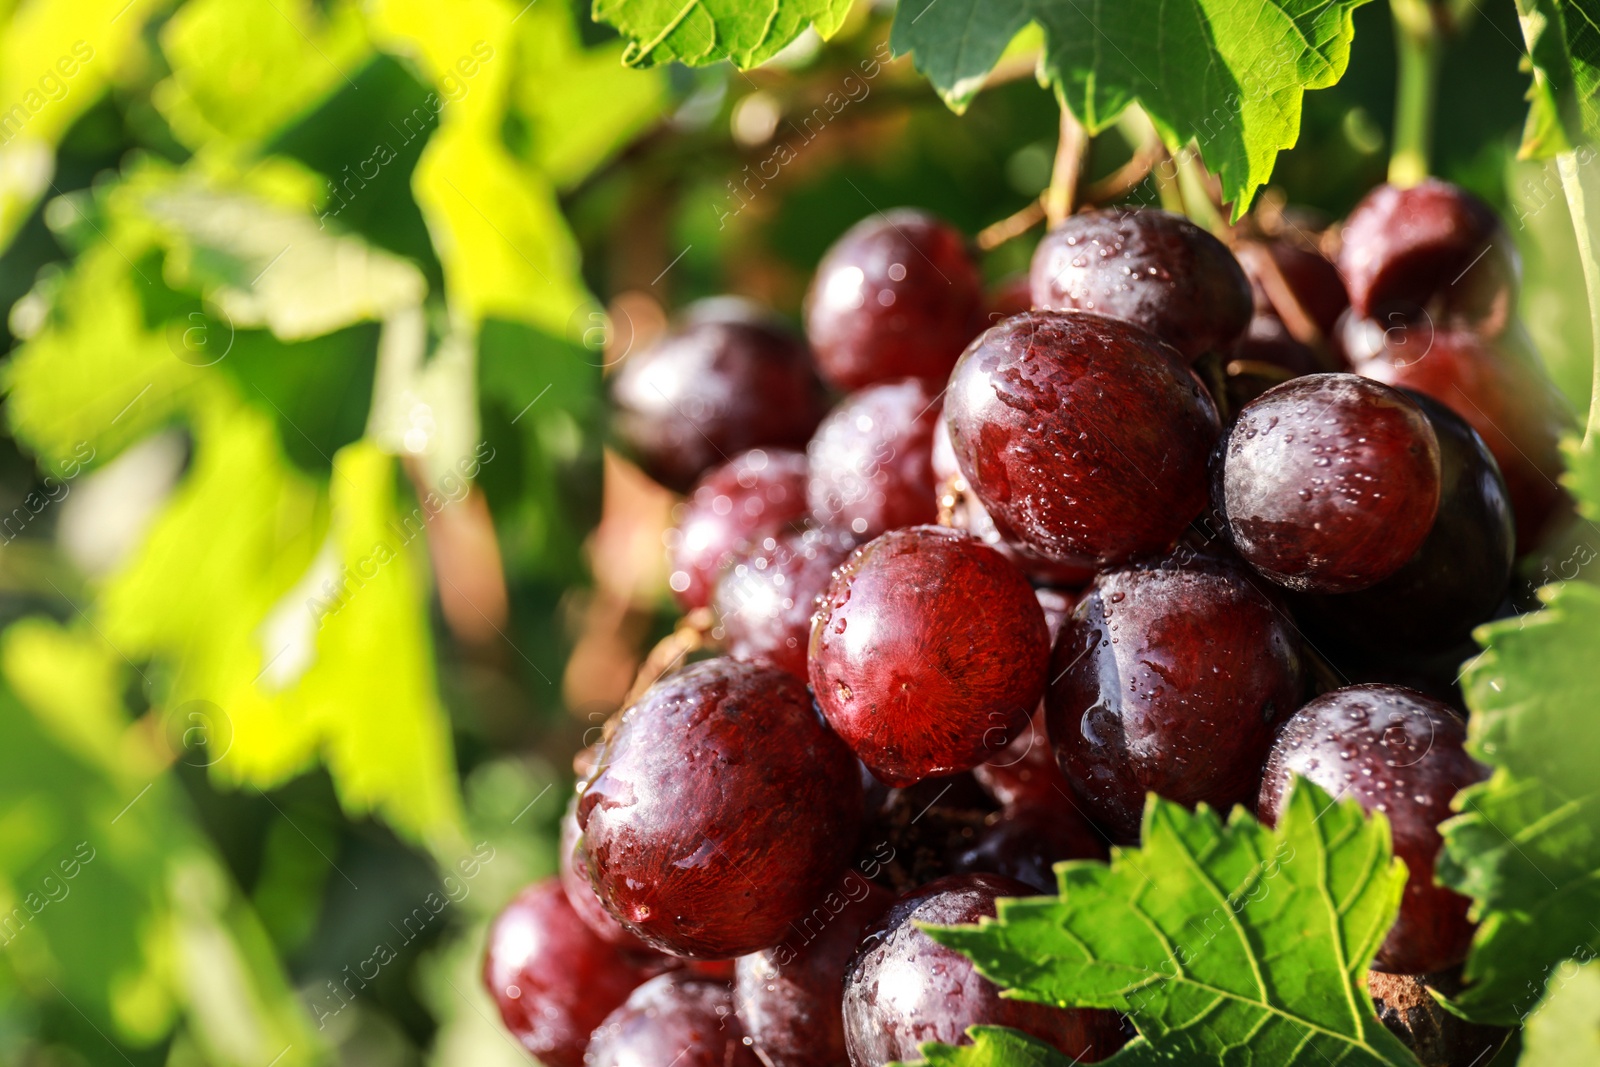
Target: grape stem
pixel 1582 187
pixel 1418 48
pixel 1061 197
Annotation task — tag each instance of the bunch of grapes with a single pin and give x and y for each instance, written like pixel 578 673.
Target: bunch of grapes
pixel 1178 520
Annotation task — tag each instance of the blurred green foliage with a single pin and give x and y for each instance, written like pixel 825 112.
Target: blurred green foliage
pixel 278 272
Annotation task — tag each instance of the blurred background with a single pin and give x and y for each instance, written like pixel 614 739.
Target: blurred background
pixel 315 569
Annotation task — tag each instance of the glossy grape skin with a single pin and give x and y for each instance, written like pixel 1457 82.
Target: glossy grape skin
pixel 1457 578
pixel 903 988
pixel 896 296
pixel 552 978
pixel 1024 843
pixel 720 810
pixel 764 601
pixel 1432 251
pixel 1083 437
pixel 1500 391
pixel 966 513
pixel 1330 482
pixel 1268 340
pixel 675 1020
pixel 727 379
pixel 1154 269
pixel 928 651
pixel 870 460
pixel 581 895
pixel 753 493
pixel 1400 753
pixel 1170 678
pixel 789 996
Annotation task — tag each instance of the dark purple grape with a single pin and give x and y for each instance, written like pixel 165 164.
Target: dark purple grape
pixel 1432 251
pixel 675 1020
pixel 727 379
pixel 1024 843
pixel 1170 678
pixel 1459 575
pixel 1156 270
pixel 1501 392
pixel 552 978
pixel 1399 753
pixel 764 602
pixel 754 493
pixel 870 460
pixel 1330 482
pixel 903 988
pixel 581 895
pixel 1083 437
pixel 897 296
pixel 927 654
pixel 721 809
pixel 1268 340
pixel 789 996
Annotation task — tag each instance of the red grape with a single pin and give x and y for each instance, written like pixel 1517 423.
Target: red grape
pixel 552 978
pixel 764 602
pixel 789 996
pixel 870 467
pixel 1502 394
pixel 721 809
pixel 1459 575
pixel 904 989
pixel 581 895
pixel 727 379
pixel 1431 250
pixel 1169 678
pixel 1026 773
pixel 966 513
pixel 1330 482
pixel 675 1020
pixel 1083 437
pixel 928 651
pixel 1399 753
pixel 753 493
pixel 897 296
pixel 1154 269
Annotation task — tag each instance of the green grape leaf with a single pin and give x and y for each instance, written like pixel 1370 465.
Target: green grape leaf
pixel 1566 1027
pixel 1226 74
pixel 1526 846
pixel 300 616
pixel 244 69
pixel 701 32
pixel 56 59
pixel 496 224
pixel 263 264
pixel 581 104
pixel 1224 942
pixel 100 858
pixel 994 1046
pixel 95 376
pixel 1563 38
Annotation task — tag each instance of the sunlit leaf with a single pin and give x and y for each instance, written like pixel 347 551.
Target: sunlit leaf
pixel 56 59
pixel 242 69
pixel 698 32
